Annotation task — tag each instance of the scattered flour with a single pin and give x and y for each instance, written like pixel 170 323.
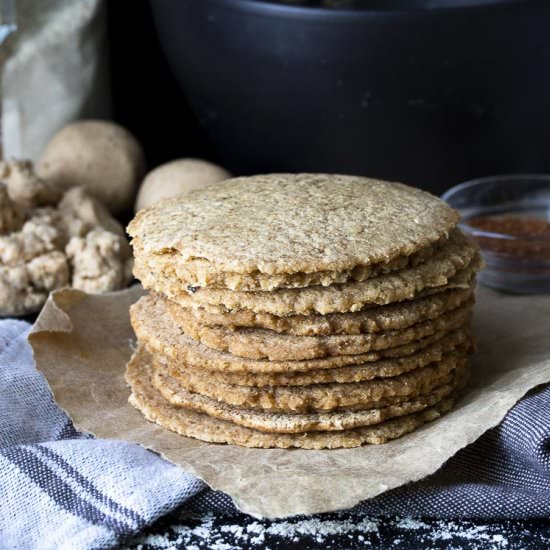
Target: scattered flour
pixel 411 523
pixel 328 531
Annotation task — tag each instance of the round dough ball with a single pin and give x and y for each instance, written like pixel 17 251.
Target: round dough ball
pixel 177 177
pixel 100 155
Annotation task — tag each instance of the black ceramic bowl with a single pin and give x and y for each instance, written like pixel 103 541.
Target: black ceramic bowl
pixel 426 95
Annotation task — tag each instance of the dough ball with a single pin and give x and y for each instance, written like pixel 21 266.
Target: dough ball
pixel 102 156
pixel 177 177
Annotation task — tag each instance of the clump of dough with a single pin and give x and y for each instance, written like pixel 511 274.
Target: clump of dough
pixel 177 177
pixel 81 213
pixel 100 260
pixel 11 215
pixel 43 232
pixel 101 156
pixel 32 263
pixel 24 187
pixel 75 243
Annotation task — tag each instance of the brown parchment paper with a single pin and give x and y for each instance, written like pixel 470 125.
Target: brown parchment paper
pixel 81 343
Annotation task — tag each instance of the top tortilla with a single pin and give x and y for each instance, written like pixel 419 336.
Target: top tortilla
pixel 293 223
pixel 460 254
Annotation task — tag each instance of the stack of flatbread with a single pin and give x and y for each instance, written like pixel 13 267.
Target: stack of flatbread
pixel 301 310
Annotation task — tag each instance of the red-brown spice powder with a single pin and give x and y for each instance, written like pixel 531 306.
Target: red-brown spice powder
pixel 530 236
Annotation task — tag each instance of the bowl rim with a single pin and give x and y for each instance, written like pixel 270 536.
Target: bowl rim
pixel 479 182
pixel 267 7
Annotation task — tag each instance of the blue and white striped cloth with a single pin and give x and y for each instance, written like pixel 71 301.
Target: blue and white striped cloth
pixel 62 490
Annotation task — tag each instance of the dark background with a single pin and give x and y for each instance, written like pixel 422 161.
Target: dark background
pixel 486 114
pixel 146 98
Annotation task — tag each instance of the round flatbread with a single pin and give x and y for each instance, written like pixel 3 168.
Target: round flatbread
pixel 198 273
pixel 281 422
pixel 459 254
pixel 206 428
pixel 317 397
pixel 460 340
pixel 370 320
pixel 266 344
pixel 291 223
pixel 156 330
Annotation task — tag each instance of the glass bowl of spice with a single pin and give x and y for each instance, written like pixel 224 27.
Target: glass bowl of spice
pixel 509 217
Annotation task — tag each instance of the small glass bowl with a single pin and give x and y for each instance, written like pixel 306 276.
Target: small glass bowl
pixel 509 217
